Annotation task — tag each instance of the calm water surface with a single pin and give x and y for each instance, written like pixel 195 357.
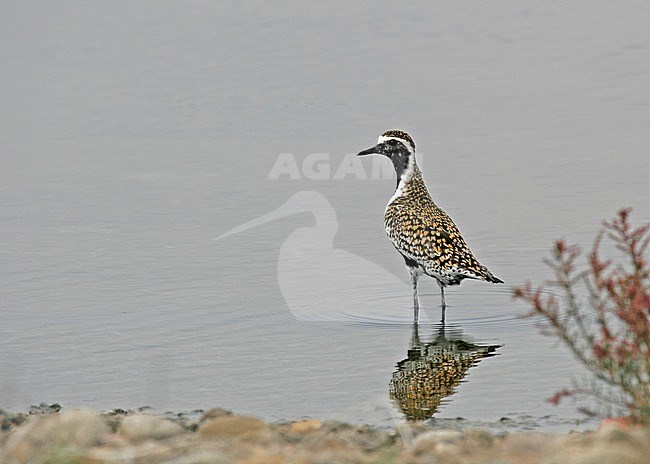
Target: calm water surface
pixel 133 135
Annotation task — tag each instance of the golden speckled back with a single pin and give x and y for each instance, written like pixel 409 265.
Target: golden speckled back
pixel 424 233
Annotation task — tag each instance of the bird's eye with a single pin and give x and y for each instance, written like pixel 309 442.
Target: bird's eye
pixel 392 142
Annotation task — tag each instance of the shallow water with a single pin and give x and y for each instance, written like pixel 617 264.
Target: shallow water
pixel 134 135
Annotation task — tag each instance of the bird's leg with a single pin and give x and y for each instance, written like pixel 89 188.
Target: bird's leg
pixel 414 283
pixel 444 305
pixel 415 336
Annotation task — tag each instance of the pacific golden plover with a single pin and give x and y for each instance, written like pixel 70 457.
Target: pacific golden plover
pixel 423 233
pixel 433 370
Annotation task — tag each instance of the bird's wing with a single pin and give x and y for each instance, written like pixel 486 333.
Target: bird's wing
pixel 430 238
pixel 418 236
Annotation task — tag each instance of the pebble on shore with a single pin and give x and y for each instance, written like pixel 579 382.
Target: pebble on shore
pixel 86 437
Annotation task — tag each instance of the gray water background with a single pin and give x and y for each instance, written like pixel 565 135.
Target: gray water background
pixel 133 134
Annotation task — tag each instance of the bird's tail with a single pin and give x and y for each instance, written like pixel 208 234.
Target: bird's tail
pixel 492 278
pixel 486 275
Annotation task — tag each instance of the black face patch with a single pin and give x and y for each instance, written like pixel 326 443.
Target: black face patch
pixel 400 135
pixel 401 163
pixel 398 153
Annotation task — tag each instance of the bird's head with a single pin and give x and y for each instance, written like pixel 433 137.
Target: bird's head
pixel 397 145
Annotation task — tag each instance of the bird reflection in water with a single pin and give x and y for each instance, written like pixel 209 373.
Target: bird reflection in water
pixel 432 371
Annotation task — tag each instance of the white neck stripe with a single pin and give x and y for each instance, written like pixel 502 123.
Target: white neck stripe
pixel 408 172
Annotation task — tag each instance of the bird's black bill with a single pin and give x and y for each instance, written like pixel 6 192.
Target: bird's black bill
pixel 369 151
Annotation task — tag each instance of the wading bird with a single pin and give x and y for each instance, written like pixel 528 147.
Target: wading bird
pixel 424 234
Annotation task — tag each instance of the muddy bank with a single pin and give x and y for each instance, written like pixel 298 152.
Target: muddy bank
pixel 48 434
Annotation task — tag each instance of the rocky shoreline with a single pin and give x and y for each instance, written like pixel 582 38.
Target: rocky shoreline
pixel 49 434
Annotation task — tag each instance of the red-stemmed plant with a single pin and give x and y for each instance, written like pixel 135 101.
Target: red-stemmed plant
pixel 608 329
